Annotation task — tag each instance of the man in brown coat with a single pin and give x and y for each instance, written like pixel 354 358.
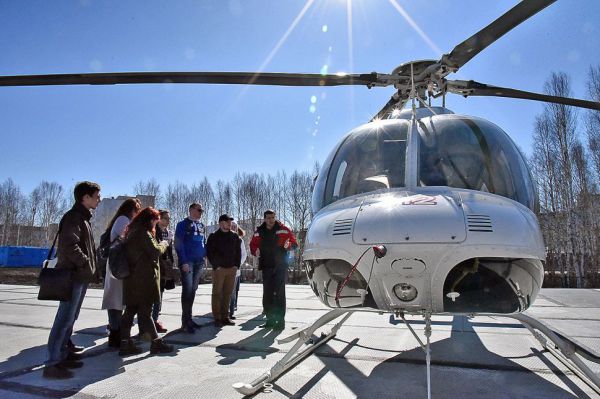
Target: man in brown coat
pixel 76 251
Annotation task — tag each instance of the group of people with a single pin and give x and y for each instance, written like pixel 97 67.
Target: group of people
pixel 148 245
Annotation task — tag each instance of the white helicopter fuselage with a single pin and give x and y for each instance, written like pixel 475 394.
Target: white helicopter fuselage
pixel 449 249
pixel 427 232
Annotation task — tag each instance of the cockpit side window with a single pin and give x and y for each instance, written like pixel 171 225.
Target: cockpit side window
pixel 370 159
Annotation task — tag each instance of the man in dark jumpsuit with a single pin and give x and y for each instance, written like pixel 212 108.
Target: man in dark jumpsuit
pixel 270 243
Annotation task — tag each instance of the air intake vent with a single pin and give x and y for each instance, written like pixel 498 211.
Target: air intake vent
pixel 480 223
pixel 342 227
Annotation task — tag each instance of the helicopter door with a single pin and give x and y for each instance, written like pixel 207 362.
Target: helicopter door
pixel 402 219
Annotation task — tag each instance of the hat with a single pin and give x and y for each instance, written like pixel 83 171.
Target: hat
pixel 225 217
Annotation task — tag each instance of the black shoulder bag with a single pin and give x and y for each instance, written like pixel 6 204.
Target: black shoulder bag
pixel 55 284
pixel 117 259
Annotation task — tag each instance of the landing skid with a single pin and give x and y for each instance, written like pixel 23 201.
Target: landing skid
pixel 291 358
pixel 564 349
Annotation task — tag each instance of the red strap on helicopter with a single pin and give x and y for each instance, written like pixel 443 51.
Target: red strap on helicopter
pixel 345 281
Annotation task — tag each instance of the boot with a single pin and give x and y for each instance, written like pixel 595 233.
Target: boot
pixel 128 348
pixel 74 348
pixel 114 339
pixel 160 346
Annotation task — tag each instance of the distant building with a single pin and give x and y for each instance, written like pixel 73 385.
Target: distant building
pixel 107 209
pixel 23 235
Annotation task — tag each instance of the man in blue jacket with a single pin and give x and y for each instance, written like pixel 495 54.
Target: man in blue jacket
pixel 190 245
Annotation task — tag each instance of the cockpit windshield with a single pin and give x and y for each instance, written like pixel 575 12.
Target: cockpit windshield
pixel 474 154
pixel 369 159
pixel 454 151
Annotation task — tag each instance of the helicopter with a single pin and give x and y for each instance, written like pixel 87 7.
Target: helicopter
pixel 420 210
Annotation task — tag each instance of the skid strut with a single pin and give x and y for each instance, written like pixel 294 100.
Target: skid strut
pixel 426 347
pixel 292 358
pixel 564 349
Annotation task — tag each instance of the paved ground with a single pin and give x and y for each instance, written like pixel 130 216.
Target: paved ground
pixel 373 356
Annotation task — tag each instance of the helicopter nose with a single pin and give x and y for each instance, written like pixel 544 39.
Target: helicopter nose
pixel 434 218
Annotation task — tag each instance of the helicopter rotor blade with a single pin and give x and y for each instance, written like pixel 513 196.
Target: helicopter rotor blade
pixel 243 78
pixel 472 88
pixel 468 49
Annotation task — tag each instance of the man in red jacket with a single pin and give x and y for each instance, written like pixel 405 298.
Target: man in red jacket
pixel 270 243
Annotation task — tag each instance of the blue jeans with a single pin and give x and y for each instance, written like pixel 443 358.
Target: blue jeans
pixel 67 313
pixel 189 285
pixel 234 296
pixel 157 306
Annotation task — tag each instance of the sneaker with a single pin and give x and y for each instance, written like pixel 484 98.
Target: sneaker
pixel 71 364
pixel 160 346
pixel 57 372
pixel 159 327
pixel 128 348
pixel 228 322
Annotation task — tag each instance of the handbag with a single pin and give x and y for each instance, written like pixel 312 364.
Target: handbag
pixel 168 277
pixel 55 284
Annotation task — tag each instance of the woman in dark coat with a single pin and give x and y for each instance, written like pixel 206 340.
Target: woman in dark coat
pixel 142 288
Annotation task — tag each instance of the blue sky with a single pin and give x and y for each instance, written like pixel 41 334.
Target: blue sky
pixel 116 134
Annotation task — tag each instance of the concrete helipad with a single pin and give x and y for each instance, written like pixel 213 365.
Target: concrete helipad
pixel 373 356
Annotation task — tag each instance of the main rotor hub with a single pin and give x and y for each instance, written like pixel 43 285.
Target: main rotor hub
pixel 418 67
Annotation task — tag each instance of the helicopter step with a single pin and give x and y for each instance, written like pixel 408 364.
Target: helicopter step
pixel 303 337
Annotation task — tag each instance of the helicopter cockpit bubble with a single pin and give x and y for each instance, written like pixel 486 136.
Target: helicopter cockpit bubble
pixel 454 151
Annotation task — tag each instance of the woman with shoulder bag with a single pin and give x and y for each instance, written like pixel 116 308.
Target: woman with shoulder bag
pixel 141 289
pixel 112 299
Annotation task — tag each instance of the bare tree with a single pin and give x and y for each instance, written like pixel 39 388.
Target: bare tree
pixel 33 205
pixel 148 187
pixel 177 200
pixel 251 197
pixel 299 196
pixel 593 120
pixel 52 203
pixel 544 163
pixel 560 172
pixel 223 198
pixel 280 205
pixel 202 193
pixel 11 201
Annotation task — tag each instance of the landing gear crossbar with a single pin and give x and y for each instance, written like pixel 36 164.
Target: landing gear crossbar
pixel 303 337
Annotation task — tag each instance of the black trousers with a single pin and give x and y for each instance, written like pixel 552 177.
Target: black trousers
pixel 274 293
pixel 145 321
